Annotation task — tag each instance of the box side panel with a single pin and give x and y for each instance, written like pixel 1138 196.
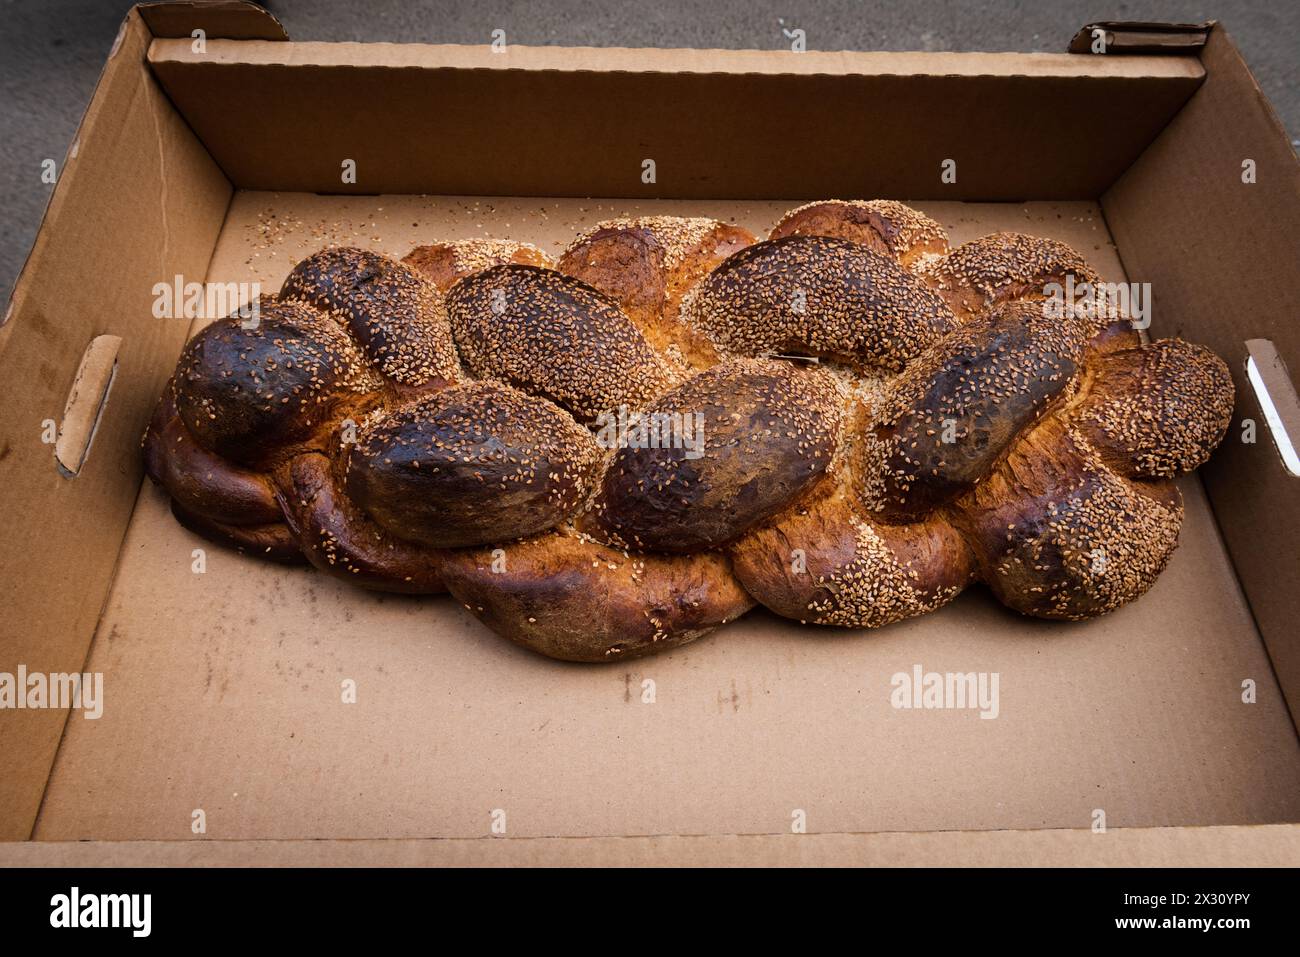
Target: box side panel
pixel 1222 254
pixel 1265 846
pixel 138 201
pixel 416 119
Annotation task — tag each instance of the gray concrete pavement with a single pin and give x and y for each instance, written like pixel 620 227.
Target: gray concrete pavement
pixel 51 51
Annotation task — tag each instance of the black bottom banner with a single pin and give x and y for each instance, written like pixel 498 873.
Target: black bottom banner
pixel 228 905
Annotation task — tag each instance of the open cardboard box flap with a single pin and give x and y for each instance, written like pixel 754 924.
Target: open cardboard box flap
pixel 217 684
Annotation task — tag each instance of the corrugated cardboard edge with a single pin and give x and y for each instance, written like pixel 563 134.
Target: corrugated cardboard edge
pixel 1142 36
pixel 1262 846
pixel 652 60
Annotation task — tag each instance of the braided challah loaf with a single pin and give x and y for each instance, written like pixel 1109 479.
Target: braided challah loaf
pixel 616 453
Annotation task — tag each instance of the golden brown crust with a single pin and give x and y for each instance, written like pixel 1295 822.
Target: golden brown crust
pixel 1158 410
pixel 445 264
pixel 1001 267
pixel 556 337
pixel 472 464
pixel 824 561
pixel 769 430
pixel 647 265
pixel 813 295
pixel 568 597
pixel 886 226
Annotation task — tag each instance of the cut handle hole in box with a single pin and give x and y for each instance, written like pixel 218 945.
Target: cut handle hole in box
pixel 85 406
pixel 1276 395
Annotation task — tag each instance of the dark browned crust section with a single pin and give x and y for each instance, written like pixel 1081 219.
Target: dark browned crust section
pixel 956 411
pixel 470 465
pixel 1057 534
pixel 272 541
pixel 554 336
pixel 247 394
pixel 394 315
pixel 201 483
pixel 568 597
pixel 769 432
pixel 342 541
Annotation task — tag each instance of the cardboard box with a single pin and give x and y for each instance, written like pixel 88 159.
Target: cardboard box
pixel 222 689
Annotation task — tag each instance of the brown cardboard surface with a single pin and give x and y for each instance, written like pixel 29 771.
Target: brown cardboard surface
pixel 431 119
pixel 137 201
pixel 1223 259
pixel 1262 846
pixel 227 19
pixel 222 689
